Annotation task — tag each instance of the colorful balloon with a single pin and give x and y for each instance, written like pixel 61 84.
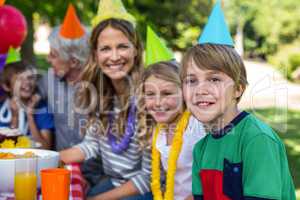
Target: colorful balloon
pixel 2 61
pixel 13 28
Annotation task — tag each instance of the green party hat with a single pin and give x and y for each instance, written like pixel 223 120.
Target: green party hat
pixel 156 49
pixel 13 55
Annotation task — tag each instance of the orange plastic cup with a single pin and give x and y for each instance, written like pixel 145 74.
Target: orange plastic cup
pixel 55 184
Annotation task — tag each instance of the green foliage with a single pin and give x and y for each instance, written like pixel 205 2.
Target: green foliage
pixel 41 62
pixel 53 11
pixel 267 24
pixel 286 59
pixel 294 61
pixel 177 21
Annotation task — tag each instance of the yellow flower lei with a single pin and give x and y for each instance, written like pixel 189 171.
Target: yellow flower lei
pixel 22 142
pixel 172 161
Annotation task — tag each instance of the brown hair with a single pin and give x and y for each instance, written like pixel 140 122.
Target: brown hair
pixel 217 57
pixel 12 69
pixel 92 74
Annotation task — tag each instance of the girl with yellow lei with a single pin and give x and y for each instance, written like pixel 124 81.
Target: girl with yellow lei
pixel 175 134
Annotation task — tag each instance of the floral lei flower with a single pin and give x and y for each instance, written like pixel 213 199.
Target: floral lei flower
pixel 123 144
pixel 172 161
pixel 22 142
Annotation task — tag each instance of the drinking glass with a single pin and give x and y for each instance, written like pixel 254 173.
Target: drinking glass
pixel 26 179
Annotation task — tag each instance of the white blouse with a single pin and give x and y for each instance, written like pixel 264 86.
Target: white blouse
pixel 183 178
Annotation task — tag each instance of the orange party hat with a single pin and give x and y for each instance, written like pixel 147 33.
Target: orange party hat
pixel 71 27
pixel 2 2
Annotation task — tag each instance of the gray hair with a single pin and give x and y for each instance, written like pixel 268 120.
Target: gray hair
pixel 70 48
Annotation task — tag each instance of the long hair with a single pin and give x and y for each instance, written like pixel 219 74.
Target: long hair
pixel 92 75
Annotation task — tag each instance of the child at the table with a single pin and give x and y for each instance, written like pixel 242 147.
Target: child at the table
pixel 23 108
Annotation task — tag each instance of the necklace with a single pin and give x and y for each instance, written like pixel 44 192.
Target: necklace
pixel 172 160
pixel 123 144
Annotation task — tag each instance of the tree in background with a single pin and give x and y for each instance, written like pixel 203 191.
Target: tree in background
pixel 262 26
pixel 178 21
pixel 51 11
pixel 265 24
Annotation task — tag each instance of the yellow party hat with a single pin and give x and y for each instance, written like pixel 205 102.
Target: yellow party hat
pixel 71 27
pixel 108 9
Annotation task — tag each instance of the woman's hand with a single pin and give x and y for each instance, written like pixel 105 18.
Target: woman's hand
pixel 189 198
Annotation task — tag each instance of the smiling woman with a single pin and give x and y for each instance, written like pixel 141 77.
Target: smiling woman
pixel 117 59
pixel 114 70
pixel 115 53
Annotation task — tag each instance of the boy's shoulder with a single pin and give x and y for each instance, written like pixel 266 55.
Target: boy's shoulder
pixel 41 108
pixel 200 145
pixel 254 127
pixel 249 128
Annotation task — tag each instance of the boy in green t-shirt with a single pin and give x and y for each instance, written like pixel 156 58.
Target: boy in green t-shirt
pixel 242 158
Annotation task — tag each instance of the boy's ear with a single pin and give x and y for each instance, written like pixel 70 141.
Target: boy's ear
pixel 5 87
pixel 239 91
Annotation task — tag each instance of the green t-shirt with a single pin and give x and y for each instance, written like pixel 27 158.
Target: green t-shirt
pixel 245 159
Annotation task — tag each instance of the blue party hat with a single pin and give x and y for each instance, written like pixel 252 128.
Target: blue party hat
pixel 216 30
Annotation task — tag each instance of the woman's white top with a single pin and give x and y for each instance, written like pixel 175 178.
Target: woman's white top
pixel 183 178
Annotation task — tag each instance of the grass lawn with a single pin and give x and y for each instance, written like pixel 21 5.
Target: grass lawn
pixel 287 125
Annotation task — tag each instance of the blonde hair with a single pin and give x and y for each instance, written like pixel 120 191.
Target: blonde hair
pixel 168 71
pixel 165 70
pixel 92 74
pixel 221 58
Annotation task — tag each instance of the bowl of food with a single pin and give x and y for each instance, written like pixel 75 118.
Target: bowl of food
pixel 9 134
pixel 45 159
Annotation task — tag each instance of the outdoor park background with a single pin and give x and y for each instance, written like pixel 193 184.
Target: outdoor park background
pixel 266 33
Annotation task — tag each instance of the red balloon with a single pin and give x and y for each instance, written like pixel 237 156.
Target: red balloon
pixel 13 28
